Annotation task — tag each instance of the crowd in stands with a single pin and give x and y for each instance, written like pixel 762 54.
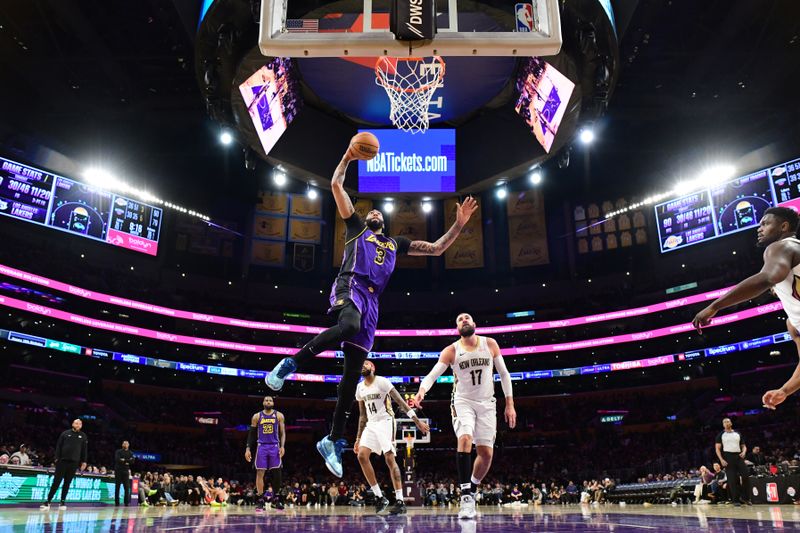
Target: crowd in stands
pixel 560 453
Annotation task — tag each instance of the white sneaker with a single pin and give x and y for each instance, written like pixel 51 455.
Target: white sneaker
pixel 467 507
pixel 44 507
pixel 62 507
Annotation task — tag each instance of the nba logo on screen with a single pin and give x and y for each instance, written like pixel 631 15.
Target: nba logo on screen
pixel 772 492
pixel 524 17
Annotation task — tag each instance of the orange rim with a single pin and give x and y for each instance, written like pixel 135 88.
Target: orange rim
pixel 386 60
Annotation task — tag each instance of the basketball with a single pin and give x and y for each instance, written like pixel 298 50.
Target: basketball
pixel 364 146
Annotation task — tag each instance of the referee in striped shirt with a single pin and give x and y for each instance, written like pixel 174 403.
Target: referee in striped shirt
pixel 731 450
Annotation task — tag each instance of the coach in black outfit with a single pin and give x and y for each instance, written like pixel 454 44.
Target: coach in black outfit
pixel 731 450
pixel 122 472
pixel 71 450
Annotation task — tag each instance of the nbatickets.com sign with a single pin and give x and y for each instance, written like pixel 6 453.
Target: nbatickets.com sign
pixel 392 162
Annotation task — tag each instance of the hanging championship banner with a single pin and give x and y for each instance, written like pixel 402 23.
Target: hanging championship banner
pixel 197 237
pixel 527 229
pixel 362 207
pixel 268 253
pixel 467 250
pixel 409 221
pixel 269 227
pixel 274 203
pixel 303 230
pixel 304 207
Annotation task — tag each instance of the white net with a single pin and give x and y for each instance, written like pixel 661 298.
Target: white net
pixel 409 83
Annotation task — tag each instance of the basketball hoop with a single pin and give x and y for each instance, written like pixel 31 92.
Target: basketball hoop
pixel 409 83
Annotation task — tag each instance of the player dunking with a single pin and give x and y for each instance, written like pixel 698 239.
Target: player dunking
pixel 473 359
pixel 777 233
pixel 368 262
pixel 376 429
pixel 268 430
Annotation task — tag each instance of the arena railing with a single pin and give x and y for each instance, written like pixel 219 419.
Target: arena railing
pixel 297 328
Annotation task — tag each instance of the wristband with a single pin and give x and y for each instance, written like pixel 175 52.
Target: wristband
pixel 411 414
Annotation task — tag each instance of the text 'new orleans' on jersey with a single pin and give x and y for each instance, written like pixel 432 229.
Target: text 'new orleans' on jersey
pixel 376 398
pixel 473 371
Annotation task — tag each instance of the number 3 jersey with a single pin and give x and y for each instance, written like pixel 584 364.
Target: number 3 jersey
pixel 368 260
pixel 376 399
pixel 473 371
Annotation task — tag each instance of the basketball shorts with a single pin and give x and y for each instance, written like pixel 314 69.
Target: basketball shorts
pixel 379 436
pixel 366 303
pixel 268 456
pixel 475 418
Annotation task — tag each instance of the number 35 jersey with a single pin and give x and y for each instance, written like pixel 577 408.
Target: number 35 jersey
pixel 473 371
pixel 376 399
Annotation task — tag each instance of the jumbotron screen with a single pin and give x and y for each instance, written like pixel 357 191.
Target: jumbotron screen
pixel 272 98
pixel 727 208
pixel 544 93
pixel 410 163
pixel 35 195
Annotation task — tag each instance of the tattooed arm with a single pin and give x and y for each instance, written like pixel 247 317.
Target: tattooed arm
pixel 463 212
pixel 362 418
pixel 362 423
pixel 343 203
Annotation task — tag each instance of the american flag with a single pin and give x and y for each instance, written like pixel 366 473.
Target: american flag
pixel 302 25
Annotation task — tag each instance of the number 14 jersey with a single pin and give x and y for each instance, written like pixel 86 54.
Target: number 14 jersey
pixel 376 399
pixel 473 371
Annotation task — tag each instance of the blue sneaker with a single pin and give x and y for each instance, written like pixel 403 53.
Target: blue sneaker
pixel 332 453
pixel 274 379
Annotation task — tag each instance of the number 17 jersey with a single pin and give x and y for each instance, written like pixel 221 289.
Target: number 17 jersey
pixel 473 371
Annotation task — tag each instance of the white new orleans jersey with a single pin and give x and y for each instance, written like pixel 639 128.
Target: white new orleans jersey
pixel 473 371
pixel 788 291
pixel 376 399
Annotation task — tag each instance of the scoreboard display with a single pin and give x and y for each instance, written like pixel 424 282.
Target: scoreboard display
pixel 727 208
pixel 34 195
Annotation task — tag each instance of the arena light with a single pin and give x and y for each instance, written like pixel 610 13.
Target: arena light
pixel 388 206
pixel 717 174
pixel 427 207
pixel 226 137
pixel 501 192
pixel 104 179
pixel 279 178
pixel 312 194
pixel 707 177
pixel 535 177
pixel 586 135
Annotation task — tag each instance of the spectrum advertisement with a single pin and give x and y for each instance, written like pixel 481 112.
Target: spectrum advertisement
pixel 34 195
pixel 410 163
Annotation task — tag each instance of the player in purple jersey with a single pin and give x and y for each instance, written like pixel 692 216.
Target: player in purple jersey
pixel 368 263
pixel 267 436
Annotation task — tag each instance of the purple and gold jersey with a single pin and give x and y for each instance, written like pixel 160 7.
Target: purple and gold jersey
pixel 369 258
pixel 268 428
